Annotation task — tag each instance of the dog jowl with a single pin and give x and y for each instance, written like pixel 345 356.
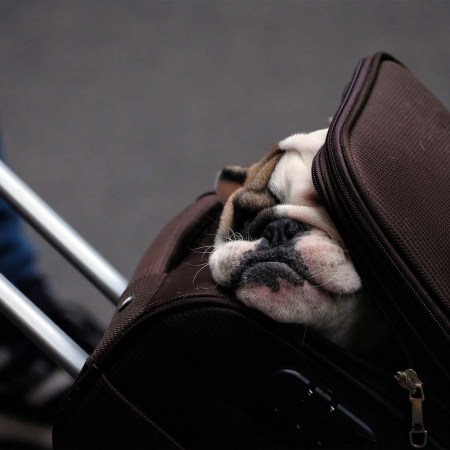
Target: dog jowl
pixel 280 251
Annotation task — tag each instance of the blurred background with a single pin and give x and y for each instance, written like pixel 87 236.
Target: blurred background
pixel 120 112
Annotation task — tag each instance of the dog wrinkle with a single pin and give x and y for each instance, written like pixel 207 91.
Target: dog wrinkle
pixel 248 205
pixel 315 216
pixel 270 274
pixel 292 180
pixel 281 255
pixel 309 279
pixel 328 265
pixel 255 228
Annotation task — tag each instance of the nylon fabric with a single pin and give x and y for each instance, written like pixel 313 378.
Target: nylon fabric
pixel 104 409
pixel 175 240
pixel 184 364
pixel 169 245
pixel 399 153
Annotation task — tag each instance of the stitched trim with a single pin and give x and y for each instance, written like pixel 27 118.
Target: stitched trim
pixel 138 412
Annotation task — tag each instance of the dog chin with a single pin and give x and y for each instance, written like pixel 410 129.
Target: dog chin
pixel 342 319
pixel 290 302
pixel 311 283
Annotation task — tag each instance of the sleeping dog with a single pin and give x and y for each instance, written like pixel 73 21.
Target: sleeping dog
pixel 277 247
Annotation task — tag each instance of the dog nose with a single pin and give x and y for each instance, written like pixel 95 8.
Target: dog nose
pixel 281 231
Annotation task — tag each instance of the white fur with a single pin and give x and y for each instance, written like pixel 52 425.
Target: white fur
pixel 328 263
pixel 306 143
pixel 331 300
pixel 292 176
pixel 292 181
pixel 226 257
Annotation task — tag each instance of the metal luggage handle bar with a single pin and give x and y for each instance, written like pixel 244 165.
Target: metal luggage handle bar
pixel 18 308
pixel 40 329
pixel 61 235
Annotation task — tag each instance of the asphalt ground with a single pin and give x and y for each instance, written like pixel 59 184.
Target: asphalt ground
pixel 120 112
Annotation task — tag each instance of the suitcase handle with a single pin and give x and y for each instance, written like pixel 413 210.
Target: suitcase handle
pixel 61 235
pixel 40 329
pixel 18 308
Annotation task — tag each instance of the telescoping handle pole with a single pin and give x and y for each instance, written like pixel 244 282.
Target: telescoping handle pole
pixel 61 235
pixel 18 308
pixel 40 329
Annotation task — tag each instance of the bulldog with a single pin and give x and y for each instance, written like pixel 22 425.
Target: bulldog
pixel 279 250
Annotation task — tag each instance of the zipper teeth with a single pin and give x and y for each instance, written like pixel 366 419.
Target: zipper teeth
pixel 358 212
pixel 380 245
pixel 430 314
pixel 406 352
pixel 397 334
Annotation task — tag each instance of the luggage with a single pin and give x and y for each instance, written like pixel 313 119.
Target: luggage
pixel 384 176
pixel 183 365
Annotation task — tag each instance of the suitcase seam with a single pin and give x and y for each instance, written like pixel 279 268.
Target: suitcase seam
pixel 131 406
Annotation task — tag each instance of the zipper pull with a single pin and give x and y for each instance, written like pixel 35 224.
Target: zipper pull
pixel 409 380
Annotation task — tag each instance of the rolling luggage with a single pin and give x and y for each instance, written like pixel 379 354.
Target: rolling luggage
pixel 183 365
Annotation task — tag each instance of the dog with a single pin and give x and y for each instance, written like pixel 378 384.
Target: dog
pixel 278 248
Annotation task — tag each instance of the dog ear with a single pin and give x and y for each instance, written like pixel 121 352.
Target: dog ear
pixel 228 180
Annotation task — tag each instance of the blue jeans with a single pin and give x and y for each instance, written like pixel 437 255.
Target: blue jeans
pixel 17 257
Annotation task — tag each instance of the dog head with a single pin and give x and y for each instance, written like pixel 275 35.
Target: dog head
pixel 278 248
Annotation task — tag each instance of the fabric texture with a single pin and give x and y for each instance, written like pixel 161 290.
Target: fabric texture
pixel 184 364
pixel 190 360
pixel 399 153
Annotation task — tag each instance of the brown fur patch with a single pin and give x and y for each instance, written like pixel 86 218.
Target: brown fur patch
pixel 258 174
pixel 253 197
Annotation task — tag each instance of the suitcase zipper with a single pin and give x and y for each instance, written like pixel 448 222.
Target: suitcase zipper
pixel 335 176
pixel 409 380
pixel 328 181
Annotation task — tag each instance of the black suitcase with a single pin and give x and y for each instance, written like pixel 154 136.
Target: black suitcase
pixel 183 365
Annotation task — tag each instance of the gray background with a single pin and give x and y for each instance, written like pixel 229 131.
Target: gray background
pixel 119 113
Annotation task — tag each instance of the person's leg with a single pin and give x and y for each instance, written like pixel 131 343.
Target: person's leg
pixel 17 257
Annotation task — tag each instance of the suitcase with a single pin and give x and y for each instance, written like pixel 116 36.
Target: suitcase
pixel 183 365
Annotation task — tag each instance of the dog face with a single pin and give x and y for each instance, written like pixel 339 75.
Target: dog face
pixel 278 248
